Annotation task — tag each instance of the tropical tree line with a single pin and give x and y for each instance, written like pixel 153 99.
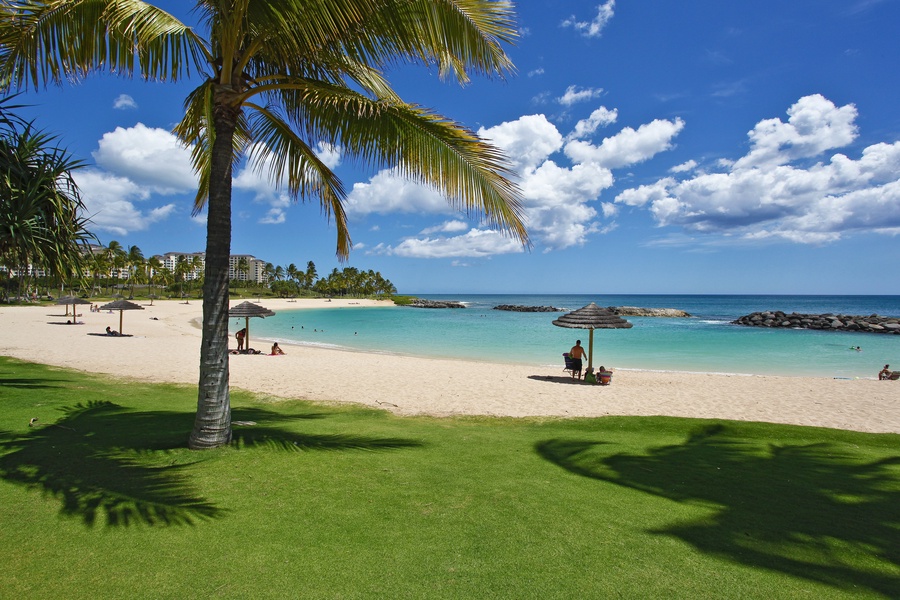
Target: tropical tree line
pixel 107 264
pixel 350 281
pixel 42 222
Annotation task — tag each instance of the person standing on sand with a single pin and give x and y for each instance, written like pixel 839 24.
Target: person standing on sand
pixel 576 354
pixel 240 335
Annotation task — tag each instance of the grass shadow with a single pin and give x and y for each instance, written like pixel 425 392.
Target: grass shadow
pixel 94 461
pixel 817 511
pixel 113 465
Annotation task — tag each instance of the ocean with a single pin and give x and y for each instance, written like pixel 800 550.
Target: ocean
pixel 706 342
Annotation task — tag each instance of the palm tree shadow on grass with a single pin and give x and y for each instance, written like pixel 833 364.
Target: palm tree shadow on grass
pixel 113 465
pixel 816 511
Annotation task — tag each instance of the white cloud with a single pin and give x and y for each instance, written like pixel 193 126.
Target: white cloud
pixel 595 27
pixel 124 102
pixel 447 227
pixel 388 192
pixel 476 243
pixel 110 202
pixel 762 197
pixel 557 200
pixel 328 154
pixel 815 125
pixel 627 147
pixel 148 156
pixel 684 167
pixel 527 141
pixel 574 95
pixel 599 118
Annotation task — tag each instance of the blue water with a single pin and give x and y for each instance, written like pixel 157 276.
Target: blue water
pixel 705 342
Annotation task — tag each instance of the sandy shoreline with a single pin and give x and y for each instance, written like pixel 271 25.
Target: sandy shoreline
pixel 164 346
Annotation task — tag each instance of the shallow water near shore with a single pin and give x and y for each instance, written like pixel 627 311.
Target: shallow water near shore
pixel 705 342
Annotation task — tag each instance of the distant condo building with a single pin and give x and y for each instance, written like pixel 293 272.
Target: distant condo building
pixel 241 267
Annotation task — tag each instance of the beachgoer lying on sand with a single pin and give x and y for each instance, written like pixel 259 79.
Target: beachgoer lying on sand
pixel 276 350
pixel 111 331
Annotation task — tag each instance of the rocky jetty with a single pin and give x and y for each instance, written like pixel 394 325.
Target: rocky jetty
pixel 520 308
pixel 825 322
pixel 634 311
pixel 420 303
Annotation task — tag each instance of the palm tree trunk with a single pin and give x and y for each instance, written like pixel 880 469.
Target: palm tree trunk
pixel 212 425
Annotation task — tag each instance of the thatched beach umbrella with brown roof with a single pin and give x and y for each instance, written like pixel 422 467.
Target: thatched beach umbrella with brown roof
pixel 592 317
pixel 73 300
pixel 121 306
pixel 247 310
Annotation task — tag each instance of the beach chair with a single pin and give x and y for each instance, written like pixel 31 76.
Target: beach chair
pixel 604 377
pixel 570 366
pixel 895 375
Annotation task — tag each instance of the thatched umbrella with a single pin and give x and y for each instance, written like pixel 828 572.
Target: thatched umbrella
pixel 73 300
pixel 592 317
pixel 121 306
pixel 247 310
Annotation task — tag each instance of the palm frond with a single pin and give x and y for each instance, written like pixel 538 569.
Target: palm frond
pixel 285 157
pixel 49 41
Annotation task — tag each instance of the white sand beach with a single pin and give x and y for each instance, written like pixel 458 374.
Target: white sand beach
pixel 165 339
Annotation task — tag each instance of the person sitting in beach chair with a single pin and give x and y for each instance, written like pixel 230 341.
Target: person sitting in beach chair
pixel 604 376
pixel 886 374
pixel 572 366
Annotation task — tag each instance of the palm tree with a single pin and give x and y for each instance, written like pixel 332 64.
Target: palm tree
pixel 243 267
pixel 280 77
pixel 41 212
pixel 134 259
pixel 153 267
pixel 115 254
pixel 310 276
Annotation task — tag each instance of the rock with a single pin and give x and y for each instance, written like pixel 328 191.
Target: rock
pixel 520 308
pixel 825 322
pixel 420 303
pixel 634 311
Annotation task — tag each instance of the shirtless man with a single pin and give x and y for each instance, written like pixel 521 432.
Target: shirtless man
pixel 576 354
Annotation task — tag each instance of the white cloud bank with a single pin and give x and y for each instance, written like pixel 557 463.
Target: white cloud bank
pixel 133 166
pixel 776 191
pixel 557 199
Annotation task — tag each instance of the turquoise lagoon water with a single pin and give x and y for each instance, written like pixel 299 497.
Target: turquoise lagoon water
pixel 705 342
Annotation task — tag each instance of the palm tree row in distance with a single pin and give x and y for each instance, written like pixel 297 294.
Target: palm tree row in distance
pixel 125 268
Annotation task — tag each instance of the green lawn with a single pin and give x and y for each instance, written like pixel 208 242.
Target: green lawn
pixel 100 499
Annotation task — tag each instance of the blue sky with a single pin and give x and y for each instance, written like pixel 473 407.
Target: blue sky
pixel 668 147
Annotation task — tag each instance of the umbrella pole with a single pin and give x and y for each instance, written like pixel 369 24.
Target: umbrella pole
pixel 591 350
pixel 121 312
pixel 247 333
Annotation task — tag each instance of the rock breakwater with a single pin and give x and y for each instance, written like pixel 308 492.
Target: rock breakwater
pixel 824 322
pixel 520 308
pixel 420 303
pixel 635 311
